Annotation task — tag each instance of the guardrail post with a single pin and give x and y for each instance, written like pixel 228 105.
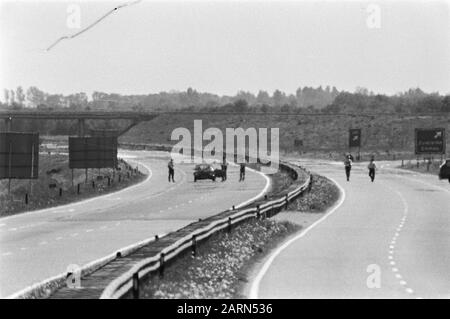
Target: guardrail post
pixel 26 199
pixel 78 189
pixel 60 192
pixel 310 182
pixel 194 245
pixel 402 163
pixel 258 212
pixel 287 202
pixel 229 224
pixel 161 265
pixel 136 285
pixel 93 184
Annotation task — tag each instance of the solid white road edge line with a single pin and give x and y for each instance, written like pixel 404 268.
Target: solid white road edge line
pixel 89 267
pixel 256 282
pixel 265 189
pixel 130 247
pixel 63 207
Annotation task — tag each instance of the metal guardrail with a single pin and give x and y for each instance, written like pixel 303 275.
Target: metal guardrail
pixel 129 281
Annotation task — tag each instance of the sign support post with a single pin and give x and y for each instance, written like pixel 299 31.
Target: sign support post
pixel 9 168
pixel 32 169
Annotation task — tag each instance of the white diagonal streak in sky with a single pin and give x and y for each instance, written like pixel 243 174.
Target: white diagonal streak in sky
pixel 66 37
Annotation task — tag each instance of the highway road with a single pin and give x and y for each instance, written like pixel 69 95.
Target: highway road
pixel 37 245
pixel 387 239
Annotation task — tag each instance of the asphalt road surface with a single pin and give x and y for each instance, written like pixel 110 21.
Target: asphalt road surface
pixel 387 239
pixel 37 245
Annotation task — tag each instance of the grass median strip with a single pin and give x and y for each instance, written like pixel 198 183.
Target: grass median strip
pixel 225 262
pixel 217 270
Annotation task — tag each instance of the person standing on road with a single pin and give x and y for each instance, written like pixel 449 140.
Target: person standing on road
pixel 224 167
pixel 171 170
pixel 242 172
pixel 372 167
pixel 348 167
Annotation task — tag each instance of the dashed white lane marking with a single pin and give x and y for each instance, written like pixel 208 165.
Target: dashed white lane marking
pixel 392 262
pixel 43 243
pixel 89 230
pixel 74 235
pixel 7 253
pixel 254 289
pixel 190 201
pixel 103 227
pixel 1 225
pixel 12 229
pixel 23 248
pixel 59 238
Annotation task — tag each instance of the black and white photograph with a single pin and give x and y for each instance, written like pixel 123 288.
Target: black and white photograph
pixel 224 155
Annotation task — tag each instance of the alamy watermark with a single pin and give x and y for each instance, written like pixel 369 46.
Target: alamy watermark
pixel 73 277
pixel 237 145
pixel 373 20
pixel 373 281
pixel 73 20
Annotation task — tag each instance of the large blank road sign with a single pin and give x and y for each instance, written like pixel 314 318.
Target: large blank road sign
pixel 92 152
pixel 354 137
pixel 19 155
pixel 430 141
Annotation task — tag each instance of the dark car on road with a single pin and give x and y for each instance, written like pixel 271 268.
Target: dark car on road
pixel 444 170
pixel 204 171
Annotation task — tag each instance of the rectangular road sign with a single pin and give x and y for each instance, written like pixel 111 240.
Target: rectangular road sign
pixel 92 152
pixel 19 155
pixel 354 136
pixel 430 141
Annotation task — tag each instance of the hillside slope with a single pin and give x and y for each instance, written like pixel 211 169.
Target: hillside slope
pixel 323 134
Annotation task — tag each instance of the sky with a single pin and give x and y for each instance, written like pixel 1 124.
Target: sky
pixel 226 46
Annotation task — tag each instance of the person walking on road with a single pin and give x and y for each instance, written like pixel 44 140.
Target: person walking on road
pixel 372 167
pixel 348 167
pixel 242 172
pixel 171 170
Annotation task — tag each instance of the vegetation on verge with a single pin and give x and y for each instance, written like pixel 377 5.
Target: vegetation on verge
pixel 217 270
pixel 223 262
pixel 54 186
pixel 324 193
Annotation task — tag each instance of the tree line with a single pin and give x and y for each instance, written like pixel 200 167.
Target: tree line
pixel 305 99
